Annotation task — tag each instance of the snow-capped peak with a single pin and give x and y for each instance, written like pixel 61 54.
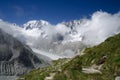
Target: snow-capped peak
pixel 74 23
pixel 35 24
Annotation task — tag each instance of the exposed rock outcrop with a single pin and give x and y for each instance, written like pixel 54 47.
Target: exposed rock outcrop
pixel 15 57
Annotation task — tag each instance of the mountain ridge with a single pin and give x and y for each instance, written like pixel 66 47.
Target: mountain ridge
pixel 35 24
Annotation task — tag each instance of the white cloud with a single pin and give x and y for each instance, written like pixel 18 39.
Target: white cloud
pixel 101 26
pixel 62 29
pixel 19 11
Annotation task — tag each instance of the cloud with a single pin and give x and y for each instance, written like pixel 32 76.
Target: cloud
pixel 19 11
pixel 13 30
pixel 101 26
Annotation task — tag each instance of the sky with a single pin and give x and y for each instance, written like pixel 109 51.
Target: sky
pixel 54 11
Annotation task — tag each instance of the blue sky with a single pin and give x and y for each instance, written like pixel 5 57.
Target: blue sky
pixel 54 11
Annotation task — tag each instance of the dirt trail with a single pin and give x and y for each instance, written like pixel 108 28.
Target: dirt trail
pixel 50 77
pixel 92 69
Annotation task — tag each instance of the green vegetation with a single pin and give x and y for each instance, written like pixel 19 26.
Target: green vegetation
pixel 41 73
pixel 105 58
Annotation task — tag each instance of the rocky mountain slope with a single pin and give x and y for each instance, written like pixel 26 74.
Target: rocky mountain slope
pixel 35 24
pixel 16 58
pixel 100 62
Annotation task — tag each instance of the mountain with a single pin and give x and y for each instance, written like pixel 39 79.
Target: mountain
pixel 74 23
pixel 16 58
pixel 35 24
pixel 42 23
pixel 101 62
pixel 57 39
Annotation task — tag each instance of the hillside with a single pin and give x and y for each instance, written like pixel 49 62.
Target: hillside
pixel 100 62
pixel 16 58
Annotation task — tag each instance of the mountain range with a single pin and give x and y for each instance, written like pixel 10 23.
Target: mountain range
pixel 65 38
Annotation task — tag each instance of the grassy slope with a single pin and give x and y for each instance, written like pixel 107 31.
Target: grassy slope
pixel 106 54
pixel 41 73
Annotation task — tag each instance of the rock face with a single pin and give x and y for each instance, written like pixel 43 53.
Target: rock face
pixel 35 24
pixel 15 57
